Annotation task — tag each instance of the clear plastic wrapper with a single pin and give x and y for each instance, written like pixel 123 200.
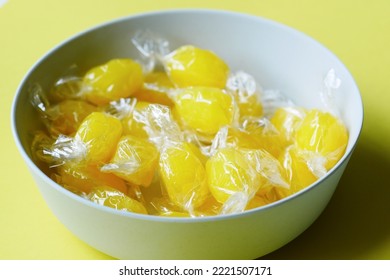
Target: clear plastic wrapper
pixel 63 117
pixel 264 134
pixel 246 94
pixel 183 175
pixel 81 178
pixel 235 175
pixel 68 86
pixel 286 121
pixel 121 108
pixel 117 78
pixel 273 99
pixel 113 198
pixel 200 77
pixel 135 161
pixel 152 48
pixel 99 134
pixel 110 81
pixel 159 124
pixel 204 110
pixel 175 133
pixel 156 89
pixel 316 139
pixel 181 167
pixel 239 168
pixel 321 135
pixel 74 175
pixel 192 66
pixel 329 92
pixel 94 142
pixel 186 66
pixel 298 169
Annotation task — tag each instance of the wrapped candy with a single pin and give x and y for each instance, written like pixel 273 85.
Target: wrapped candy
pixel 63 117
pixel 155 89
pixel 67 115
pixel 81 178
pixel 67 86
pixel 76 160
pixel 135 161
pixel 99 134
pixel 186 66
pixel 235 175
pixel 246 94
pixel 118 78
pixel 323 135
pixel 298 169
pixel 112 198
pixel 75 176
pixel 191 66
pixel 177 134
pixel 265 134
pixel 229 172
pixel 199 76
pixel 181 167
pixel 317 139
pixel 204 110
pixel 307 151
pixel 110 81
pixel 124 110
pixel 286 121
pixel 184 175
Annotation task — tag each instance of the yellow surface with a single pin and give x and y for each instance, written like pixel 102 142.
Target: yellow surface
pixel 355 225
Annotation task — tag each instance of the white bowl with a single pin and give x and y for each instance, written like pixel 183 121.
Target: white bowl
pixel 277 56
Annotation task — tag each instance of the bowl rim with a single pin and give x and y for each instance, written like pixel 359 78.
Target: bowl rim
pixel 35 169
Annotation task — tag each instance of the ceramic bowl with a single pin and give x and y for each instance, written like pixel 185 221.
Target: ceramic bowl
pixel 277 56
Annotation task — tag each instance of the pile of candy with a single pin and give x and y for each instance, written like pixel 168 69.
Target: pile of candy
pixel 179 134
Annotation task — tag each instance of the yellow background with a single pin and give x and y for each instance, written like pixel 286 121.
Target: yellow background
pixel 356 223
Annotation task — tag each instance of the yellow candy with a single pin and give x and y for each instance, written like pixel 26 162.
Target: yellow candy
pixel 175 214
pixel 322 134
pixel 297 170
pixel 243 139
pixel 271 193
pixel 210 207
pixel 204 110
pixel 65 88
pixel 132 126
pixel 100 134
pixel 234 137
pixel 257 201
pixel 81 178
pixel 160 204
pixel 165 207
pixel 135 161
pixel 118 78
pixel 251 108
pixel 190 66
pixel 157 121
pixel 229 171
pixel 112 158
pixel 243 88
pixel 68 115
pixel 183 175
pixel 110 197
pixel 274 183
pixel 155 89
pixel 237 170
pixel 286 120
pixel 265 135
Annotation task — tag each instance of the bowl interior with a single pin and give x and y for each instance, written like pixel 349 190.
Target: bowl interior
pixel 277 56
